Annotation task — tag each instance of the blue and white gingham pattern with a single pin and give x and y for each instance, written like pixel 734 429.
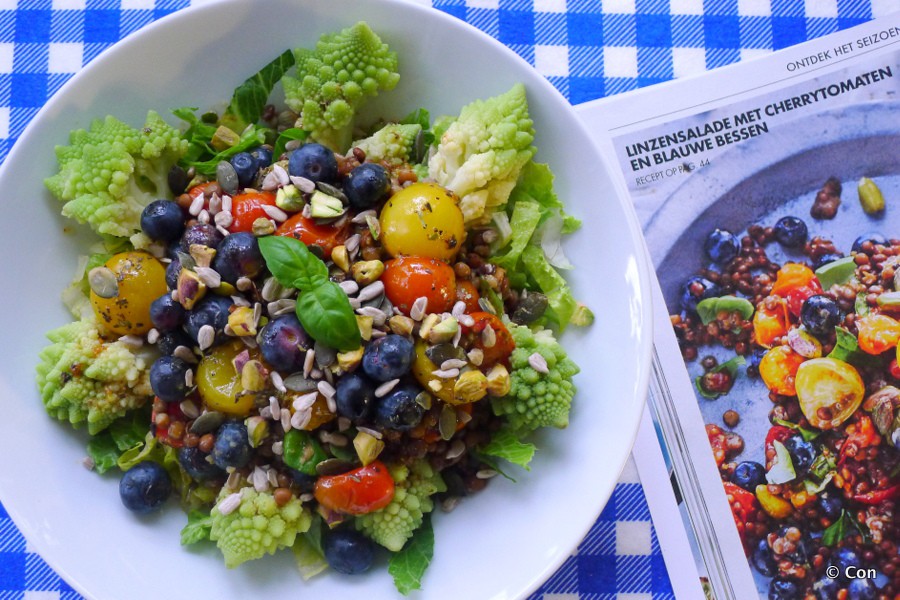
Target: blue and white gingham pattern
pixel 587 48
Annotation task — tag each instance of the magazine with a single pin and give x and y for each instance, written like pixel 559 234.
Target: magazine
pixel 769 196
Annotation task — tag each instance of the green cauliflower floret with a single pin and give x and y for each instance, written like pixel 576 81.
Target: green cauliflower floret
pixel 394 524
pixel 85 379
pixel 537 399
pixel 257 527
pixel 394 143
pixel 109 173
pixel 480 154
pixel 334 80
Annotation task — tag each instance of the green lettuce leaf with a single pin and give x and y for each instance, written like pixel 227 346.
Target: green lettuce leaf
pixel 408 565
pixel 249 99
pixel 507 445
pixel 197 529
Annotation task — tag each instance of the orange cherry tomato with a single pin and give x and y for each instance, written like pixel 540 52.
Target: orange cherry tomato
pixel 503 345
pixel 248 207
pixel 877 333
pixel 778 370
pixel 466 292
pixel 770 321
pixel 410 277
pixel 792 276
pixel 356 492
pixel 326 236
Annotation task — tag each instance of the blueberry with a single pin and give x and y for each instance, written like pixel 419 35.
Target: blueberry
pixel 399 409
pixel 193 461
pixel 843 559
pixel 178 180
pixel 826 588
pixel 173 270
pixel 831 505
pixel 246 167
pixel 873 237
pixel 232 446
pixel 721 246
pixel 263 156
pixel 166 314
pixel 283 343
pixel 211 310
pixel 825 259
pixel 783 589
pixel 696 289
pixel 354 396
pixel 820 314
pixel 348 551
pixel 238 256
pixel 861 589
pixel 167 378
pixel 754 360
pixel 802 453
pixel 314 162
pixel 748 475
pixel 145 487
pixel 763 560
pixel 203 234
pixel 791 232
pixel 162 220
pixel 367 185
pixel 169 340
pixel 388 357
pixel 306 483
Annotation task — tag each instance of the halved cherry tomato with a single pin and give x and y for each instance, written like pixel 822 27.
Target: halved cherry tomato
pixel 797 296
pixel 877 333
pixel 356 492
pixel 201 189
pixel 793 276
pixel 173 411
pixel 778 370
pixel 326 236
pixel 744 507
pixel 777 433
pixel 466 292
pixel 770 321
pixel 503 345
pixel 248 207
pixel 410 277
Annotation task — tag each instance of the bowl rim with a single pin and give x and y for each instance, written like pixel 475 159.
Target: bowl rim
pixel 642 270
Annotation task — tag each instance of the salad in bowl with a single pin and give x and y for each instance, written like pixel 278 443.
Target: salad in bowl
pixel 311 327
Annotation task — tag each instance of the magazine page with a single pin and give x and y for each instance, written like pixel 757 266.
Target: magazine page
pixel 769 194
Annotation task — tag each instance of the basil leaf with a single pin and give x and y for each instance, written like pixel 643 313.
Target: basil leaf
pixel 838 530
pixel 846 348
pixel 808 435
pixel 197 529
pixel 292 264
pixel 249 99
pixel 327 316
pixel 506 445
pixel 408 565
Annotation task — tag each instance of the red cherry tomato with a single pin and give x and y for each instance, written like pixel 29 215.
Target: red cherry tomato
pixel 248 207
pixel 503 344
pixel 797 296
pixel 466 292
pixel 356 492
pixel 410 277
pixel 744 508
pixel 777 433
pixel 326 236
pixel 202 188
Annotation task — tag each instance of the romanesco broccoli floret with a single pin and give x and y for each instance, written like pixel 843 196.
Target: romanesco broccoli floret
pixel 394 143
pixel 480 154
pixel 258 526
pixel 85 379
pixel 394 524
pixel 335 79
pixel 537 399
pixel 109 173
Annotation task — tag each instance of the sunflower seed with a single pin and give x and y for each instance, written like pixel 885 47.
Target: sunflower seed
pixel 485 473
pixel 205 337
pixel 209 277
pixel 281 175
pixel 335 439
pixel 457 448
pixel 277 448
pixel 383 389
pixel 132 341
pixel 223 219
pixel 349 286
pixel 538 363
pixel 360 218
pixel 185 354
pixel 281 307
pixel 273 477
pixel 378 315
pixel 196 205
pixel 274 407
pixel 417 311
pixel 234 479
pixel 270 182
pixel 373 432
pixel 301 419
pixel 449 504
pixel 326 389
pixel 243 284
pixel 189 378
pixel 152 336
pixel 189 408
pixel 203 217
pixel 308 362
pixel 453 363
pixel 226 203
pixel 307 186
pixel 446 373
pixel 488 337
pixel 466 320
pixel 277 381
pixel 276 213
pixel 458 309
pixel 240 301
pixel 229 504
pixel 371 291
pixel 352 244
pixel 265 412
pixel 305 401
pixel 260 480
pixel 215 204
pixel 286 420
pixel 485 305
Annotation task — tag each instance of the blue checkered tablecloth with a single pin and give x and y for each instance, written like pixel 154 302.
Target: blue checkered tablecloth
pixel 587 48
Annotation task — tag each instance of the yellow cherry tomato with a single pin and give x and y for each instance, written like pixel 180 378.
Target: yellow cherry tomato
pixel 775 506
pixel 877 333
pixel 219 384
pixel 423 219
pixel 829 391
pixel 778 368
pixel 139 280
pixel 791 277
pixel 422 369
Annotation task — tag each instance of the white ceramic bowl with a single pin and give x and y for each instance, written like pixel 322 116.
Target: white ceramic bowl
pixel 502 543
